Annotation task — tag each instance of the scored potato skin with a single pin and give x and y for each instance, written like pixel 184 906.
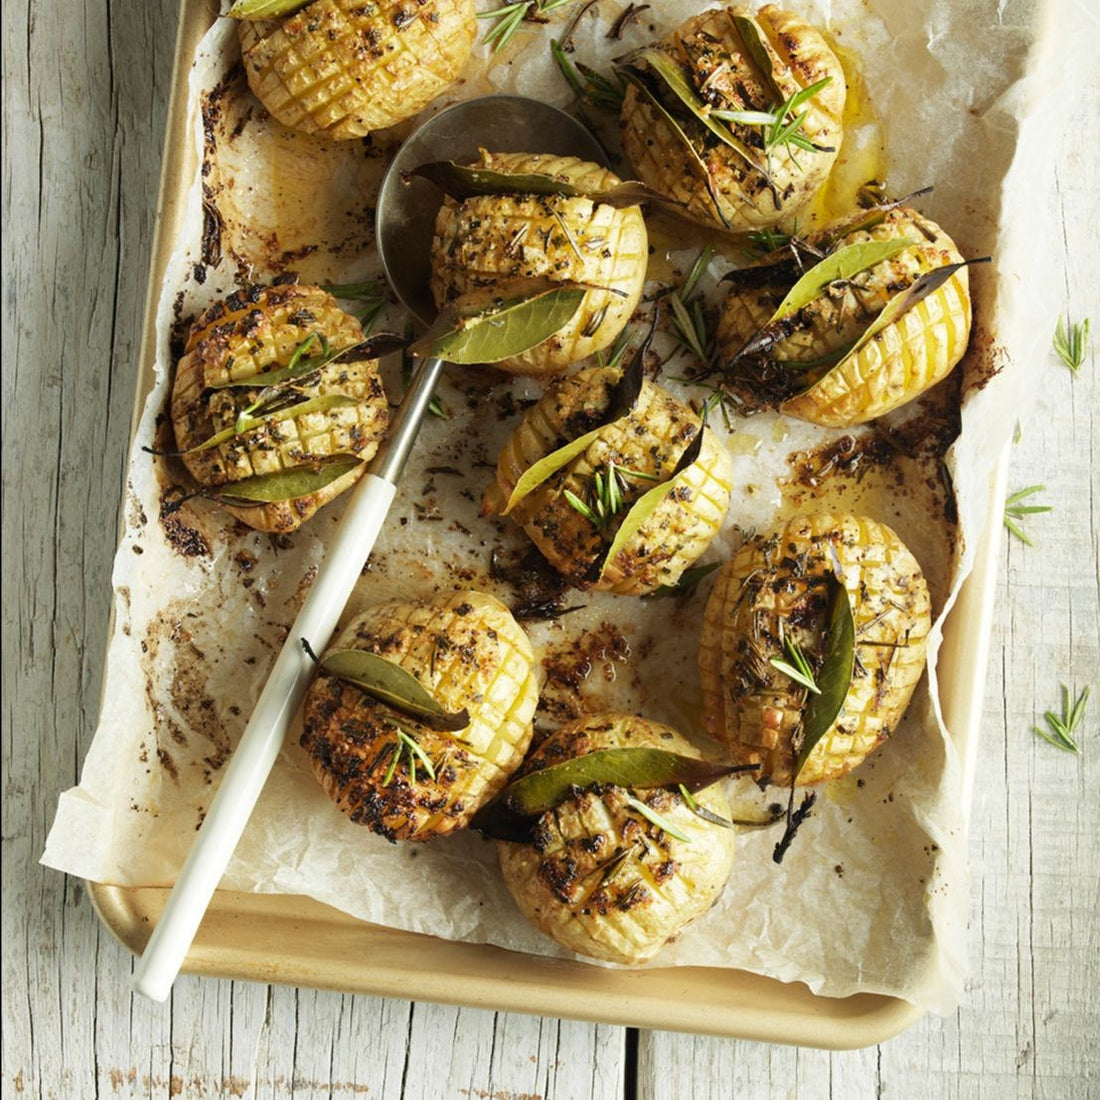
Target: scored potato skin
pixel 567 883
pixel 755 707
pixel 469 651
pixel 904 360
pixel 650 439
pixel 490 240
pixel 252 331
pixel 343 68
pixel 718 60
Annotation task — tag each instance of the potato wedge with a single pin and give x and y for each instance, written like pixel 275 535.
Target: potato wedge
pixel 469 652
pixel 252 333
pixel 767 591
pixel 645 446
pixel 760 184
pixel 600 877
pixel 490 241
pixel 342 68
pixel 906 358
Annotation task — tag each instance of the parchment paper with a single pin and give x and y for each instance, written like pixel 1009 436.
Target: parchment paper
pixel 873 894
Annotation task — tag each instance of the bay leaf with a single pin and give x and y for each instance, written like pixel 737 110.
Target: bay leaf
pixel 321 403
pixel 901 303
pixel 640 768
pixel 844 263
pixel 496 325
pixel 685 142
pixel 301 365
pixel 835 676
pixel 755 43
pixel 265 9
pixel 648 502
pixel 866 220
pixel 672 77
pixel 546 467
pixel 281 485
pixel 389 683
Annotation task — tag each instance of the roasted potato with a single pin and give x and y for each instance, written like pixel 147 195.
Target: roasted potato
pixel 252 333
pixel 771 590
pixel 762 182
pixel 342 68
pixel 644 445
pixel 600 877
pixel 801 373
pixel 489 241
pixel 470 653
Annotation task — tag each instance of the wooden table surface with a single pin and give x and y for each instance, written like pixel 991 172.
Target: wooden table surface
pixel 85 95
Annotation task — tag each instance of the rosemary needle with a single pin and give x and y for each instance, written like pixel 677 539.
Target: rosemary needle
pixel 798 668
pixel 1015 511
pixel 1061 728
pixel 508 17
pixel 1071 342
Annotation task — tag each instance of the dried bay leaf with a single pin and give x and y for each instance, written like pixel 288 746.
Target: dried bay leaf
pixel 281 485
pixel 393 685
pixel 501 323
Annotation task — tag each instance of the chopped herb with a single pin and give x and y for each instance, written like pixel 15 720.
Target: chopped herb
pixel 688 319
pixel 1015 511
pixel 605 495
pixel 588 84
pixel 1060 729
pixel 508 17
pixel 798 668
pixel 1071 342
pixel 651 815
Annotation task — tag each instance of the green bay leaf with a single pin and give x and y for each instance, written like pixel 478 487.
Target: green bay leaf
pixel 265 9
pixel 283 485
pixel 755 43
pixel 486 327
pixel 546 467
pixel 901 303
pixel 685 142
pixel 835 676
pixel 844 263
pixel 673 78
pixel 393 685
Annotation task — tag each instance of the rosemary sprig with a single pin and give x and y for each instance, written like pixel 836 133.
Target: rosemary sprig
pixel 689 324
pixel 588 84
pixel 1071 342
pixel 798 668
pixel 605 494
pixel 1062 727
pixel 1015 511
pixel 651 815
pixel 408 749
pixel 371 294
pixel 688 582
pixel 781 126
pixel 508 17
pixel 617 353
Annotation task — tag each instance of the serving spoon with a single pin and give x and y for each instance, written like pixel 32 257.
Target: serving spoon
pixel 405 219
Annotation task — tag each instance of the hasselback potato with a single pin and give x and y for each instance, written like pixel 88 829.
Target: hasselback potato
pixel 772 590
pixel 751 177
pixel 808 372
pixel 251 335
pixel 645 447
pixel 493 241
pixel 599 876
pixel 468 652
pixel 342 68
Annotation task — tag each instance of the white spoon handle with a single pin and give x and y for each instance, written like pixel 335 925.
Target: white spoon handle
pixel 262 740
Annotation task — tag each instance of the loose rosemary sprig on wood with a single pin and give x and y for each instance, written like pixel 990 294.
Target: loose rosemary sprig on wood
pixel 798 668
pixel 606 494
pixel 1015 511
pixel 1071 342
pixel 1061 728
pixel 508 17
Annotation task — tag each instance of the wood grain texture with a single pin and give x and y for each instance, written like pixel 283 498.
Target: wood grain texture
pixel 83 107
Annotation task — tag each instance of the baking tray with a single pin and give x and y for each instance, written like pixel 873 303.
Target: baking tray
pixel 296 940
